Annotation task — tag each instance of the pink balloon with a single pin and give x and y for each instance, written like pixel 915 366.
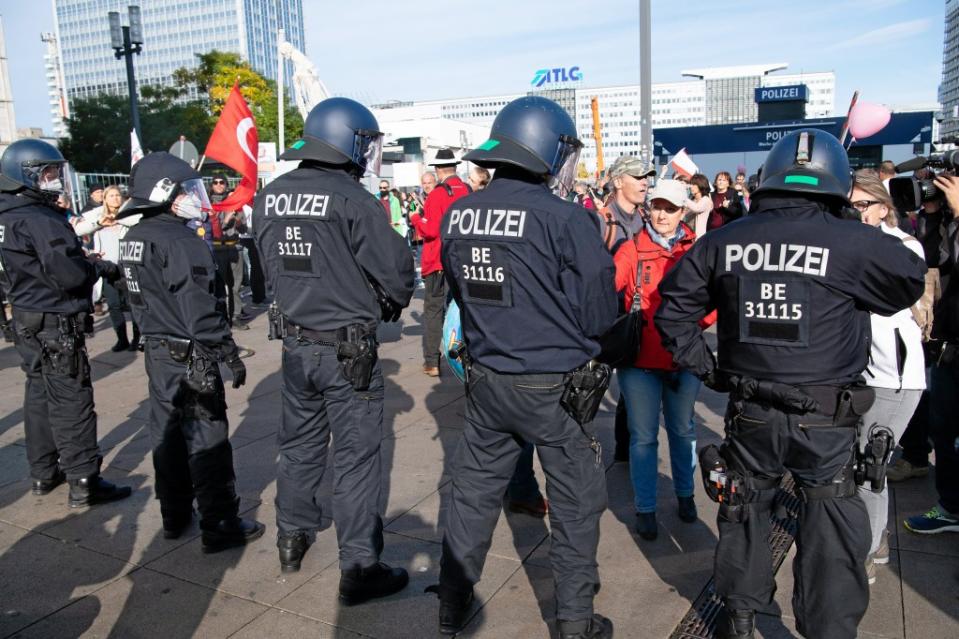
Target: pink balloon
pixel 867 119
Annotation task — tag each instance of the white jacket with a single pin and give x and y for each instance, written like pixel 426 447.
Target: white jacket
pixel 889 335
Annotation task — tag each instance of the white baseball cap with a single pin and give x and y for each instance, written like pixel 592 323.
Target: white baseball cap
pixel 672 191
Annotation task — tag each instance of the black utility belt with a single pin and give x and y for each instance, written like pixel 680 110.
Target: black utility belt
pixel 350 334
pixel 36 321
pixel 820 405
pixel 356 347
pixel 181 348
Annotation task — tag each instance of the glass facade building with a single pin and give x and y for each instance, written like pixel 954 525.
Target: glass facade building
pixel 174 31
pixel 949 89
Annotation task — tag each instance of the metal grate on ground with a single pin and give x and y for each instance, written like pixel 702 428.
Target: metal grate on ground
pixel 700 621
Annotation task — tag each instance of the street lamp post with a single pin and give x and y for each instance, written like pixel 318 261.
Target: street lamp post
pixel 127 40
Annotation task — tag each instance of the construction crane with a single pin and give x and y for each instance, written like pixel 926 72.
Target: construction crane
pixel 597 135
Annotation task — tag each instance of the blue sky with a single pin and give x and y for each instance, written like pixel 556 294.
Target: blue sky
pixel 891 50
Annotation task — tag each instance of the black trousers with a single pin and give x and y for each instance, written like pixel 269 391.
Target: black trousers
pixel 503 412
pixel 434 309
pixel 230 268
pixel 59 421
pixel 915 440
pixel 318 402
pixel 831 593
pixel 192 456
pixel 257 281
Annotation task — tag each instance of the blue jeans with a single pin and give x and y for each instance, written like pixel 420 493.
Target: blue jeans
pixel 649 393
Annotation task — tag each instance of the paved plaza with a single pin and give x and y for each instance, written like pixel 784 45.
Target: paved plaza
pixel 108 572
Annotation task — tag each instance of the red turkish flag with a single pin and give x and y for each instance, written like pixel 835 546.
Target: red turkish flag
pixel 234 143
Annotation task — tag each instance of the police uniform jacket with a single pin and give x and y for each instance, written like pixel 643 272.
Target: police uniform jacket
pixel 323 237
pixel 42 264
pixel 531 274
pixel 170 278
pixel 793 286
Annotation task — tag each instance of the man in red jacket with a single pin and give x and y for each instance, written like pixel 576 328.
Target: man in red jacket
pixel 427 224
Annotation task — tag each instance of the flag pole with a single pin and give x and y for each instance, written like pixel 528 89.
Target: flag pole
pixel 200 163
pixel 280 77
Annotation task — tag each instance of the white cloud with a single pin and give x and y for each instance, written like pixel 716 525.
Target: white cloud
pixel 885 35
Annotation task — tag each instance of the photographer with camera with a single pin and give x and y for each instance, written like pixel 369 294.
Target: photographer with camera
pixel 939 233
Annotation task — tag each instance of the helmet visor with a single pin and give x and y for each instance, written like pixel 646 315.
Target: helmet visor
pixel 566 163
pixel 192 202
pixel 50 178
pixel 372 157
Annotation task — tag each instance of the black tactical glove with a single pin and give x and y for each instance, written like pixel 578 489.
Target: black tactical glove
pixel 108 270
pixel 238 368
pixel 390 310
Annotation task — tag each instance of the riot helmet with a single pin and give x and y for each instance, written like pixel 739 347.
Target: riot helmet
pixel 160 182
pixel 534 134
pixel 809 162
pixel 36 166
pixel 340 131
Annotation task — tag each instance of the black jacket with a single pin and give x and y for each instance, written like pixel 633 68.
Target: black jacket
pixel 939 235
pixel 531 274
pixel 323 238
pixel 793 286
pixel 170 278
pixel 42 262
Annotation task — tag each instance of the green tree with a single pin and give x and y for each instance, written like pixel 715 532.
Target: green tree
pixel 216 73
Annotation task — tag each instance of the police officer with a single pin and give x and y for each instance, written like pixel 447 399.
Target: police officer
pixel 535 285
pixel 170 283
pixel 793 284
pixel 49 282
pixel 336 267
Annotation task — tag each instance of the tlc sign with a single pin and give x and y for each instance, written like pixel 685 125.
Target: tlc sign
pixel 557 75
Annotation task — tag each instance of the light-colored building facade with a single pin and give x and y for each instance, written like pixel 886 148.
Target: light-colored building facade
pixel 174 31
pixel 674 104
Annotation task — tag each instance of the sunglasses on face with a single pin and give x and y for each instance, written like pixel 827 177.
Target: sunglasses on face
pixel 862 205
pixel 219 181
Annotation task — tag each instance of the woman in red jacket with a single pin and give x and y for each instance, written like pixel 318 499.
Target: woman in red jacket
pixel 654 385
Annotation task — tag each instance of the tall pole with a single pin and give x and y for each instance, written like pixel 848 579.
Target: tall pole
pixel 128 51
pixel 280 73
pixel 645 81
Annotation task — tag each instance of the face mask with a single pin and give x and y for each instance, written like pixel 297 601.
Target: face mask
pixel 55 185
pixel 189 208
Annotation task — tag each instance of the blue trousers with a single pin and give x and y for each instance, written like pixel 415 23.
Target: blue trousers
pixel 649 393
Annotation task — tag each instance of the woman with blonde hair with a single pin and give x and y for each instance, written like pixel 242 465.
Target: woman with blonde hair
pixel 896 369
pixel 101 222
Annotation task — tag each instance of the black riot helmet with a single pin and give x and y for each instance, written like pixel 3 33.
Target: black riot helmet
pixel 807 161
pixel 340 131
pixel 534 134
pixel 36 166
pixel 162 182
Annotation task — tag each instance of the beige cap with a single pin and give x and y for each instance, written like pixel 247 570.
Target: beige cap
pixel 630 165
pixel 670 190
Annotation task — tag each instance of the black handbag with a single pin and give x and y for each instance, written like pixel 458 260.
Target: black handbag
pixel 619 345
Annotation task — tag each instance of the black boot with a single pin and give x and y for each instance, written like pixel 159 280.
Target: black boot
pixel 176 521
pixel 362 584
pixel 454 609
pixel 122 342
pixel 230 533
pixel 135 342
pixel 293 547
pixel 44 486
pixel 735 624
pixel 596 627
pixel 93 490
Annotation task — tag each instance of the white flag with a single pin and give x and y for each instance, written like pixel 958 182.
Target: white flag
pixel 683 164
pixel 136 153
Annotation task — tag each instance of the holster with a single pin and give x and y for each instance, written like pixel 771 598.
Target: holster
pixel 585 388
pixel 202 373
pixel 731 488
pixel 61 354
pixel 356 352
pixel 871 461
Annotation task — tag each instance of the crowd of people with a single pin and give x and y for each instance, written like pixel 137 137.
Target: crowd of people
pixel 540 280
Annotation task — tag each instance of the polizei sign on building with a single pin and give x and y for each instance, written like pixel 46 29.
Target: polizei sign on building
pixel 558 75
pixel 792 93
